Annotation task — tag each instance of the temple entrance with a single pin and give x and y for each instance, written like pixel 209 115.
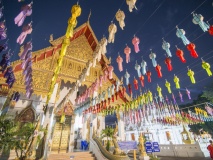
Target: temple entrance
pixel 62 128
pixel 61 135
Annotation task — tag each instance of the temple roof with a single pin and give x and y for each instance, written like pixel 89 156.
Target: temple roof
pixel 80 50
pixel 47 52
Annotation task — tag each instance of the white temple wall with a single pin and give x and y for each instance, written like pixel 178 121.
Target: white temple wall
pixel 121 126
pixel 2 101
pixel 157 133
pixel 93 122
pixel 183 150
pixel 64 89
pixel 78 124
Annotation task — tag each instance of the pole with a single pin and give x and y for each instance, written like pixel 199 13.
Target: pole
pixel 135 155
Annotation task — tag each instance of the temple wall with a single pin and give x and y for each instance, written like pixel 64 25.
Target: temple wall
pixel 183 150
pixel 158 133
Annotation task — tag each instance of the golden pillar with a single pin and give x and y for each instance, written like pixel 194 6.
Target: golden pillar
pixel 72 22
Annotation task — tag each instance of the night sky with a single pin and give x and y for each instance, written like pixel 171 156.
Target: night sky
pixel 153 20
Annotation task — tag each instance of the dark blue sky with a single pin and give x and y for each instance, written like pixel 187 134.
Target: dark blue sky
pixel 153 20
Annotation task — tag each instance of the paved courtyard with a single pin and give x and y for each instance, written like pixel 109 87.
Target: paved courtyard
pixel 184 158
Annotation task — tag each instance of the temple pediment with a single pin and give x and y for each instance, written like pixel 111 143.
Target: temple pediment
pixel 67 109
pixel 78 53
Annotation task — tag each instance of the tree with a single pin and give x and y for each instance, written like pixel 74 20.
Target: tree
pixel 8 130
pixel 107 132
pixel 208 93
pixel 13 135
pixel 23 137
pixel 202 98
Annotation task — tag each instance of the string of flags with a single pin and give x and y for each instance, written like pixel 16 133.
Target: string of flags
pixel 26 49
pixel 142 68
pixel 5 62
pixel 162 111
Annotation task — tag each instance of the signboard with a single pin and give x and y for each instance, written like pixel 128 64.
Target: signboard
pixel 127 145
pixel 148 146
pixel 156 150
pixel 155 147
pixel 152 147
pixel 155 144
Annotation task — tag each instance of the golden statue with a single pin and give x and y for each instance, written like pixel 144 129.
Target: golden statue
pixel 186 136
pixel 114 140
pixel 141 146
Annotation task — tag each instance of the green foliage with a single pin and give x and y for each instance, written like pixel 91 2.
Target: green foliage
pixel 108 146
pixel 208 93
pixel 206 96
pixel 200 99
pixel 8 130
pixel 14 135
pixel 151 157
pixel 107 132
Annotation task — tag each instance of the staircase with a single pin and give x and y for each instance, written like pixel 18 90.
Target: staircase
pixel 76 155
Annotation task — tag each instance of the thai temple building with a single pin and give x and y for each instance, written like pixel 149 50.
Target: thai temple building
pixel 73 87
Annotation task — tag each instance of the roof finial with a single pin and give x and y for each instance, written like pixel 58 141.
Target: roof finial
pixel 90 13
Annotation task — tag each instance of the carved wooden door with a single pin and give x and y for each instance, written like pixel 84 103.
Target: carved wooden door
pixel 60 140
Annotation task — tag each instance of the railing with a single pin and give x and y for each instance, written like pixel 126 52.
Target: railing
pixel 95 150
pixel 107 154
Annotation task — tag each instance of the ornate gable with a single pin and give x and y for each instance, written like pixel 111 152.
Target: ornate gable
pixel 67 109
pixel 79 52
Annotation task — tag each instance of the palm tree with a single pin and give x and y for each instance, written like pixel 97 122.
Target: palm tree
pixel 107 132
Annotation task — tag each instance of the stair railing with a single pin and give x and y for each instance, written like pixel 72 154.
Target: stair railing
pixel 106 153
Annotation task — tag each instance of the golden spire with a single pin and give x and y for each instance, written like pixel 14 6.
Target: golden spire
pixel 90 13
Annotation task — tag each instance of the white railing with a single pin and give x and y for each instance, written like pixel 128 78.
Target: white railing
pixel 95 150
pixel 183 150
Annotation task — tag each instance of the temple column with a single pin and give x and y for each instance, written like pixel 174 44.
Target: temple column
pixel 121 126
pixel 100 125
pixel 72 135
pixel 48 118
pixel 84 127
pixel 93 124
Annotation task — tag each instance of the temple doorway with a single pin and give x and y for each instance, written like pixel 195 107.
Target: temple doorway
pixel 61 135
pixel 62 129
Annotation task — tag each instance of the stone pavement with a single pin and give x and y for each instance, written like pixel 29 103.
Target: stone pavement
pixel 175 158
pixel 184 158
